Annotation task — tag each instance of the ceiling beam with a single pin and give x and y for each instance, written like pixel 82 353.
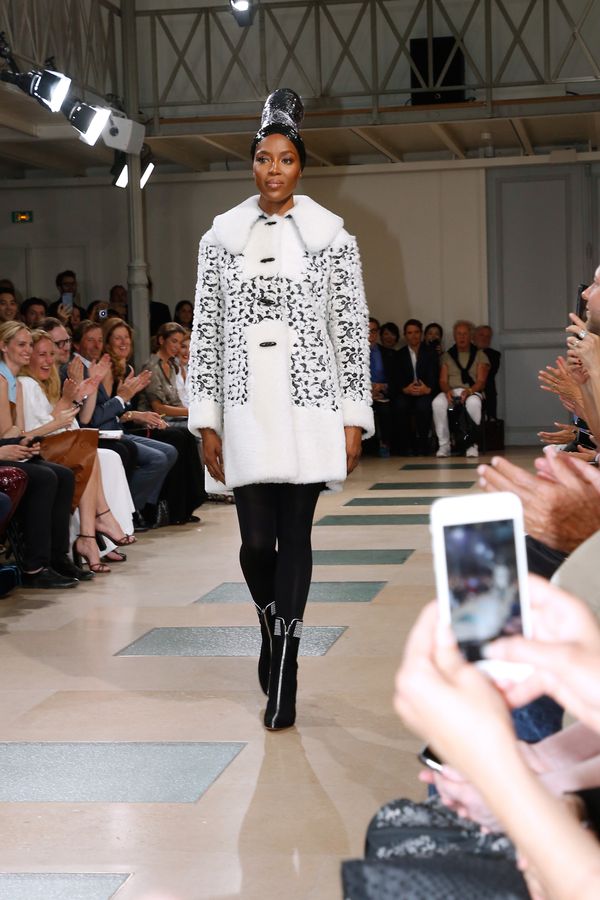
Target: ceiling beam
pixel 319 158
pixel 446 138
pixel 377 145
pixel 520 130
pixel 222 146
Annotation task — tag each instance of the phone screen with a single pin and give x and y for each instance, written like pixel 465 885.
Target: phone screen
pixel 67 300
pixel 483 583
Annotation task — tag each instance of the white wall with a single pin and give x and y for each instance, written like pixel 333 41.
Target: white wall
pixel 421 234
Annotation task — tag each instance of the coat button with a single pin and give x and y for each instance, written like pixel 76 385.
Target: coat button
pixel 266 301
pixel 268 259
pixel 268 344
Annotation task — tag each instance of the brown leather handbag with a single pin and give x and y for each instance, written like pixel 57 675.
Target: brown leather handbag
pixel 76 449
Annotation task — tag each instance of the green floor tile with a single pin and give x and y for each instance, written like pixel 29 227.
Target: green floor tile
pixel 414 467
pixel 229 640
pixel 374 520
pixel 58 886
pixel 421 485
pixel 390 501
pixel 361 557
pixel 320 592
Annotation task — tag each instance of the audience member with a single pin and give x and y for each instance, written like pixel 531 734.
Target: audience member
pixel 482 340
pixel 67 308
pixel 33 311
pixel 382 386
pixel 466 718
pixel 97 311
pixel 43 405
pixel 433 336
pixel 183 357
pixel 389 335
pixel 184 314
pixel 183 489
pixel 117 301
pixel 161 395
pixel 113 410
pixel 46 506
pixel 9 311
pixel 463 373
pixel 418 382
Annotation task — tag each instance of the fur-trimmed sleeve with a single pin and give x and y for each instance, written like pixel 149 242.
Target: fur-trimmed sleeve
pixel 348 324
pixel 205 376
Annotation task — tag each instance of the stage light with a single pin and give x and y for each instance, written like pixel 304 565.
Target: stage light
pixel 47 87
pixel 242 11
pixel 121 133
pixel 119 169
pixel 86 119
pixel 148 165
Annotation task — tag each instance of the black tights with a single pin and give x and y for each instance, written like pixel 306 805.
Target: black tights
pixel 276 553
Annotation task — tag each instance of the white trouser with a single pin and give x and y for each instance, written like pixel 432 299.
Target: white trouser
pixel 440 413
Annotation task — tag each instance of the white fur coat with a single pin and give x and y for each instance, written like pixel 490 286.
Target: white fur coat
pixel 279 359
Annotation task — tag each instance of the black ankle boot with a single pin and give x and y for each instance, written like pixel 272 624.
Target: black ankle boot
pixel 266 617
pixel 281 706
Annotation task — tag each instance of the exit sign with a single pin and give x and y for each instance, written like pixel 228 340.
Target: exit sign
pixel 22 215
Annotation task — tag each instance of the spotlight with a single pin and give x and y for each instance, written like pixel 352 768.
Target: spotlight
pixel 120 170
pixel 242 11
pixel 47 87
pixel 148 165
pixel 122 133
pixel 87 120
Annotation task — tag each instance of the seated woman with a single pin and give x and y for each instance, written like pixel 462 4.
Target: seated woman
pixel 183 357
pixel 161 394
pixel 183 489
pixel 42 410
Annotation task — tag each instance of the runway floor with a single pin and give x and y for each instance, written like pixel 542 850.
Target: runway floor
pixel 133 761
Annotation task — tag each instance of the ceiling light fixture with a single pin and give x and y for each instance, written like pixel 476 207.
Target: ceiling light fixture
pixel 243 12
pixel 86 119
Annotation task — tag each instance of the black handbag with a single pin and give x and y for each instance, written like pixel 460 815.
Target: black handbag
pixel 463 430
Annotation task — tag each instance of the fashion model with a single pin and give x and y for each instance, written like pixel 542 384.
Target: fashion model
pixel 279 380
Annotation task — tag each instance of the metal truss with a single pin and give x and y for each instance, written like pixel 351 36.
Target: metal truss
pixel 81 35
pixel 356 53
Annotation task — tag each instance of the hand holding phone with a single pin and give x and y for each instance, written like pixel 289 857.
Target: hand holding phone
pixel 430 759
pixel 481 574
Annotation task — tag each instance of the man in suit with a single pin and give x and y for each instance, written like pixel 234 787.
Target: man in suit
pixel 416 385
pixel 482 340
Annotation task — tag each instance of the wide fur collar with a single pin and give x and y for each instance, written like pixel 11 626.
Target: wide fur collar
pixel 317 226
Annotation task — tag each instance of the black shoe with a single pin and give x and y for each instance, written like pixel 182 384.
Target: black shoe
pixel 67 568
pixel 162 517
pixel 139 522
pixel 47 579
pixel 281 706
pixel 266 617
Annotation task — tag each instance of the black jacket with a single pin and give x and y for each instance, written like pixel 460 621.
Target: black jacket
pixel 428 368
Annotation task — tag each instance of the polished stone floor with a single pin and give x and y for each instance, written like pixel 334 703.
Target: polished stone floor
pixel 145 774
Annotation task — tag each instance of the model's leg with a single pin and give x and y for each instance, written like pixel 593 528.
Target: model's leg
pixel 256 507
pixel 293 572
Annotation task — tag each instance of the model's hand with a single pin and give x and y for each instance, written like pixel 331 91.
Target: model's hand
pixel 212 450
pixel 353 447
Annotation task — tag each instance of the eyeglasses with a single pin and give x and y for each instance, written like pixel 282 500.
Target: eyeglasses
pixel 66 342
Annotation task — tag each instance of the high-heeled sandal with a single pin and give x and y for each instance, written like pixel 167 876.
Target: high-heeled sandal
pixel 98 568
pixel 115 556
pixel 120 542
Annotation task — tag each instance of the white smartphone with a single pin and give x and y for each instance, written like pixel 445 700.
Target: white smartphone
pixel 481 574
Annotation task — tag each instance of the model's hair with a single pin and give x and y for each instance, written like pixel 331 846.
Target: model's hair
pixel 466 322
pixel 118 366
pixel 414 322
pixel 68 273
pixel 392 328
